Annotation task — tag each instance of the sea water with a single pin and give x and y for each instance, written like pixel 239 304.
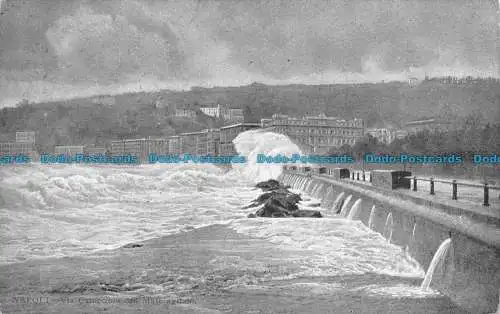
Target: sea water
pixel 67 210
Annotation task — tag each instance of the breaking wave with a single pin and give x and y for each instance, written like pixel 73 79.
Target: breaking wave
pixel 254 142
pixel 65 210
pixel 61 210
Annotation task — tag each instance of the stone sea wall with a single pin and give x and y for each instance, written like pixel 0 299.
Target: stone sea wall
pixel 470 272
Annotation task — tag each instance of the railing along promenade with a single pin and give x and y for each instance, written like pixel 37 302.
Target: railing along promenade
pixel 365 176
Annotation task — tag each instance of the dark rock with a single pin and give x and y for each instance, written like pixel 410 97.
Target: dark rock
pixel 276 208
pixel 132 245
pixel 269 185
pixel 112 288
pixel 278 201
pixel 307 213
pixel 264 197
pixel 280 193
pixel 251 216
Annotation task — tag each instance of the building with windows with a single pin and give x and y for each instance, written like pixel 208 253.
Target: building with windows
pixel 212 111
pixel 265 123
pixel 24 145
pixel 174 147
pixel 25 137
pixel 133 147
pixel 68 150
pixel 224 112
pixel 233 115
pixel 400 134
pixel 158 146
pixel 117 148
pixel 318 133
pixel 229 133
pixel 185 113
pixel 383 135
pixel 141 148
pixel 208 142
pixel 18 148
pixel 188 143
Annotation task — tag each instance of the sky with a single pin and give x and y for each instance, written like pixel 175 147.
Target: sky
pixel 56 49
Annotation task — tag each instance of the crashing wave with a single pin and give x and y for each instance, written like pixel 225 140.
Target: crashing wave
pixel 254 142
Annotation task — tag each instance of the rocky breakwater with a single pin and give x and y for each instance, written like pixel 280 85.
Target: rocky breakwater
pixel 278 201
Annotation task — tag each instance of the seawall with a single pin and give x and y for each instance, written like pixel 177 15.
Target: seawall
pixel 470 272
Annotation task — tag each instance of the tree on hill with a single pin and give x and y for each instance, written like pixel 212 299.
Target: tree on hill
pixel 396 146
pixel 248 115
pixel 345 149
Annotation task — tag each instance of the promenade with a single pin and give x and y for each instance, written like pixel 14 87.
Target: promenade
pixel 470 194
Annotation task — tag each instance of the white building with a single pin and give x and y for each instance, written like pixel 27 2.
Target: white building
pixel 212 111
pixel 265 123
pixel 224 112
pixel 413 81
pixel 25 137
pixel 400 134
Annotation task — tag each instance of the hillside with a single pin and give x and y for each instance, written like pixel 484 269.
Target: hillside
pixel 379 104
pixel 92 121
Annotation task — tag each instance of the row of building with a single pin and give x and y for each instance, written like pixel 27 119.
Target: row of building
pixel 206 142
pixel 388 135
pixel 316 134
pixel 24 145
pixel 214 142
pixel 320 133
pixel 313 134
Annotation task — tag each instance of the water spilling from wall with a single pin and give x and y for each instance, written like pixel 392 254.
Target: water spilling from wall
pixel 415 231
pixel 372 215
pixel 412 239
pixel 337 203
pixel 344 206
pixel 326 200
pixel 436 260
pixel 388 228
pixel 355 209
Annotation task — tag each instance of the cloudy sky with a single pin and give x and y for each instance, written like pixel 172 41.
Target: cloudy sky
pixel 53 49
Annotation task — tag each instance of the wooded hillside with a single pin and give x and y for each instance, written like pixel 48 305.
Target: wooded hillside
pixel 136 115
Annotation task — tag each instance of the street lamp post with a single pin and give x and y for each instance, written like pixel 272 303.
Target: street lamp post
pixel 405 148
pixel 363 157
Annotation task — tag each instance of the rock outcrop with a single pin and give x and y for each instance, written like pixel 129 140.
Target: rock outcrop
pixel 269 185
pixel 278 201
pixel 132 245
